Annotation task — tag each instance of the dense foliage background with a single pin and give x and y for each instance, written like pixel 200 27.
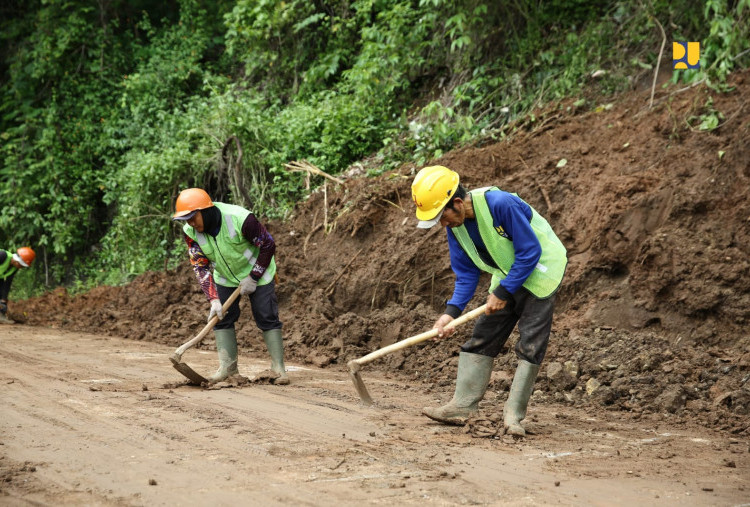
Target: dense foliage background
pixel 109 108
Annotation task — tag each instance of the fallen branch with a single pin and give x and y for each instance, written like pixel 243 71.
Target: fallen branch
pixel 658 61
pixel 307 238
pixel 343 270
pixel 305 166
pixel 392 204
pixel 546 199
pixel 325 207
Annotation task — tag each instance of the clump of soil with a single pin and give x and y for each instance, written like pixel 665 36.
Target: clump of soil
pixel 653 313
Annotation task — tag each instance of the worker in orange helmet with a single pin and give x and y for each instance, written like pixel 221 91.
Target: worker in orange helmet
pixel 10 263
pixel 240 249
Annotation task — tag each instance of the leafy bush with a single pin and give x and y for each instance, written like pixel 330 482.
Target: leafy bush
pixel 109 110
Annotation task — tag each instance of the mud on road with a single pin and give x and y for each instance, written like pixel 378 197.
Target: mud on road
pixel 652 317
pixel 643 397
pixel 98 420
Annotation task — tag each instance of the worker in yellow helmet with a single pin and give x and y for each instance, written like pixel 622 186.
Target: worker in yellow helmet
pixel 240 249
pixel 496 232
pixel 10 263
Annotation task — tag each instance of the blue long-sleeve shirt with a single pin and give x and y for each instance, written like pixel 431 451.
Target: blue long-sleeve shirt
pixel 514 217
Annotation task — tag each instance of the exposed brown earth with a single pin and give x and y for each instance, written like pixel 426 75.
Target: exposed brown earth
pixel 651 323
pixel 655 305
pixel 646 378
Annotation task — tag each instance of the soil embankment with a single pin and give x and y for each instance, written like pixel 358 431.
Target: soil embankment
pixel 653 315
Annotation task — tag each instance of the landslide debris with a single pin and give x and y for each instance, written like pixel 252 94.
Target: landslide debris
pixel 653 314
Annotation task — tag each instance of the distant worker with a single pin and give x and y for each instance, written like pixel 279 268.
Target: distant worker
pixel 241 251
pixel 496 232
pixel 9 265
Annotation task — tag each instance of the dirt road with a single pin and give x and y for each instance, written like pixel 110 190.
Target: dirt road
pixel 96 420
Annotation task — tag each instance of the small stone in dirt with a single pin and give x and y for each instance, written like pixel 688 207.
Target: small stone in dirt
pixel 557 483
pixel 707 489
pixel 95 388
pixel 372 433
pixel 144 387
pixel 152 482
pixel 729 463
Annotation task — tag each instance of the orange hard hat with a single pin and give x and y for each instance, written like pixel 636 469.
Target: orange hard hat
pixel 25 255
pixel 189 201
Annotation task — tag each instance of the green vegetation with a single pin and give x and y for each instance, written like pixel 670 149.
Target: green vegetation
pixel 108 109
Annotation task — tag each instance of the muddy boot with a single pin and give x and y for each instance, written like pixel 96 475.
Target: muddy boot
pixel 226 346
pixel 520 391
pixel 471 382
pixel 275 346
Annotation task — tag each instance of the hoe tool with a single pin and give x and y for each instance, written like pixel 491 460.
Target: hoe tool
pixel 176 358
pixel 355 364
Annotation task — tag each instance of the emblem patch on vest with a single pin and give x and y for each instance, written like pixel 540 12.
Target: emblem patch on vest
pixel 501 231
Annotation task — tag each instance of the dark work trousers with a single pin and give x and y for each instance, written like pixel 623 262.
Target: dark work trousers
pixel 263 303
pixel 5 287
pixel 534 319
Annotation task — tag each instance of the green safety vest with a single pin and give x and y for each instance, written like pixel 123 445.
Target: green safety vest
pixel 547 274
pixel 232 256
pixel 6 269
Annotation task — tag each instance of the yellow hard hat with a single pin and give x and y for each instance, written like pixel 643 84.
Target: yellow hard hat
pixel 189 201
pixel 431 190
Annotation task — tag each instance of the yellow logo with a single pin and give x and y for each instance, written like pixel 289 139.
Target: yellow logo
pixel 686 55
pixel 501 231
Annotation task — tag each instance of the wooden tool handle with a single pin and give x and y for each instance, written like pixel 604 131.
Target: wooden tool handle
pixel 211 323
pixel 408 342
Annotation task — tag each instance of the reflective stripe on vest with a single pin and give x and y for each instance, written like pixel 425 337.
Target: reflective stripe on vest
pixel 232 256
pixel 547 274
pixel 6 269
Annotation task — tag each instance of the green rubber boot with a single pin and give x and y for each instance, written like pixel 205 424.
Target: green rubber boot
pixel 275 345
pixel 518 400
pixel 474 372
pixel 226 346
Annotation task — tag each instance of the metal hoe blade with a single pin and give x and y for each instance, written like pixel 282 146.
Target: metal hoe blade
pixel 359 384
pixel 194 377
pixel 176 358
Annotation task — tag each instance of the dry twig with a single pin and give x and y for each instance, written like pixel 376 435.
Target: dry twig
pixel 305 166
pixel 307 238
pixel 343 270
pixel 546 199
pixel 658 61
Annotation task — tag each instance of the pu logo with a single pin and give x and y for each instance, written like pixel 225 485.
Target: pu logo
pixel 686 55
pixel 501 231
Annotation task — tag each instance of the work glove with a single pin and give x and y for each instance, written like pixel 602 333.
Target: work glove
pixel 248 285
pixel 215 310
